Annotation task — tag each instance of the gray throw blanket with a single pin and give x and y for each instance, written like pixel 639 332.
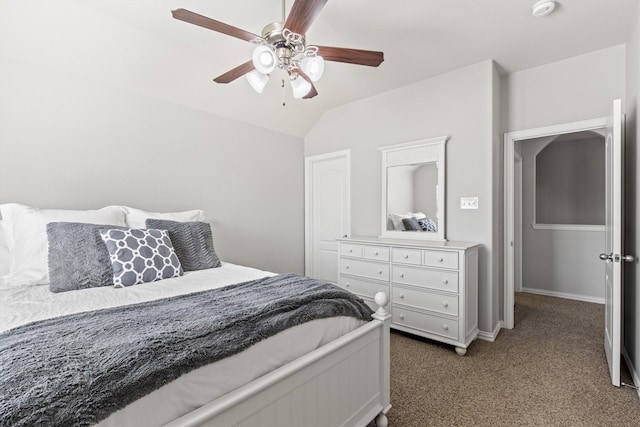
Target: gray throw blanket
pixel 78 369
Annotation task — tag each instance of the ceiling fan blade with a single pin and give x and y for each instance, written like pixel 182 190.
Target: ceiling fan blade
pixel 212 24
pixel 352 56
pixel 234 73
pixel 302 15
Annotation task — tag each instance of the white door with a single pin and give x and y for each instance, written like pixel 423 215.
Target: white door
pixel 327 212
pixel 613 256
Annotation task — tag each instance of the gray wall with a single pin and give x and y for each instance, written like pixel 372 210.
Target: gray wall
pixel 68 142
pixel 458 104
pixel 560 262
pixel 570 182
pixel 632 202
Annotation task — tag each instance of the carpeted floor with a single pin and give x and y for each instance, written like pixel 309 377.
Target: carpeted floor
pixel 550 370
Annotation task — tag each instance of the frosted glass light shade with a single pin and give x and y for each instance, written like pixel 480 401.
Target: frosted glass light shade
pixel 300 87
pixel 313 66
pixel 264 59
pixel 257 80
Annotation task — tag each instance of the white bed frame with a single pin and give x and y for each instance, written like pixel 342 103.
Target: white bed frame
pixel 343 383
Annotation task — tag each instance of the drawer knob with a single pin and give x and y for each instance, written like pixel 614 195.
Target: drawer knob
pixel 347 284
pixel 401 274
pixel 346 266
pixel 401 296
pixel 445 327
pixel 445 304
pixel 440 259
pixel 375 253
pixel 379 271
pixel 406 256
pixel 402 317
pixel 445 281
pixel 350 250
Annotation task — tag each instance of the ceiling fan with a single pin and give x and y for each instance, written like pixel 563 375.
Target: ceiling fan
pixel 283 45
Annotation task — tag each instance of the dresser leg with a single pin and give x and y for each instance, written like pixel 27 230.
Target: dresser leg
pixel 461 351
pixel 381 420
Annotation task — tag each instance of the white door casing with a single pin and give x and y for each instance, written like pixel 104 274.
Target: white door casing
pixel 327 212
pixel 510 199
pixel 613 255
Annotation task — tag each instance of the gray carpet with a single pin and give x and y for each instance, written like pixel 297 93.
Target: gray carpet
pixel 550 370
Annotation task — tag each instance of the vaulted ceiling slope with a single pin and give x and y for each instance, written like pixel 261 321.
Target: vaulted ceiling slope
pixel 138 46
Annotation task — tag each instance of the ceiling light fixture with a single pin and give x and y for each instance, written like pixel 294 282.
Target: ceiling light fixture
pixel 543 8
pixel 279 47
pixel 283 45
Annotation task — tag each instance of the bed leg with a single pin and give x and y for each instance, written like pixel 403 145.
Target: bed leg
pixel 381 420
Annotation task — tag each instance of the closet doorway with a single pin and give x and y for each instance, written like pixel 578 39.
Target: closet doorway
pixel 515 203
pixel 612 245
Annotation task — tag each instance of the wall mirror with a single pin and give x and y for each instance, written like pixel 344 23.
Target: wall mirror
pixel 413 190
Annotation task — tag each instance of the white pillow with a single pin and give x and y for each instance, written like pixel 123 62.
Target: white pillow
pixel 136 217
pixel 26 233
pixel 5 265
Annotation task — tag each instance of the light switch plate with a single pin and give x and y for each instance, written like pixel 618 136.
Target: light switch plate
pixel 468 203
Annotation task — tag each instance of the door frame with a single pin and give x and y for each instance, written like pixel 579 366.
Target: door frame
pixel 309 162
pixel 509 198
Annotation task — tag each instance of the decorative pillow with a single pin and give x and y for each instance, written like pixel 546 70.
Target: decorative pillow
pixel 26 233
pixel 428 224
pixel 192 241
pixel 136 217
pixel 140 256
pixel 411 224
pixel 396 219
pixel 78 258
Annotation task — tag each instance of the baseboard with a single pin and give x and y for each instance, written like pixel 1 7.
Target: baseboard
pixel 632 369
pixel 491 336
pixel 565 295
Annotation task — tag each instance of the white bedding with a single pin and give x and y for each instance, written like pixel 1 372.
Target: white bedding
pixel 23 305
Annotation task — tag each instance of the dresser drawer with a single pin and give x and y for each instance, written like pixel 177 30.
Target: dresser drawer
pixel 349 249
pixel 363 287
pixel 445 304
pixel 407 256
pixel 442 259
pixel 426 278
pixel 370 269
pixel 425 322
pixel 380 253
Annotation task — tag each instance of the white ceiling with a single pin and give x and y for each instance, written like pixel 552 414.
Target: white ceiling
pixel 138 46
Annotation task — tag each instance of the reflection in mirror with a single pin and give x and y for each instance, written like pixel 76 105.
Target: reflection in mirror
pixel 413 190
pixel 412 202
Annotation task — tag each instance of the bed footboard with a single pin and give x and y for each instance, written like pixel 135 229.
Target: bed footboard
pixel 343 383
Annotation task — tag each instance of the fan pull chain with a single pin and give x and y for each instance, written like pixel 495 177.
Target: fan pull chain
pixel 283 20
pixel 283 94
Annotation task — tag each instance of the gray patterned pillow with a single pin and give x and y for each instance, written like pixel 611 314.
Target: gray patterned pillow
pixel 428 224
pixel 192 241
pixel 140 256
pixel 78 258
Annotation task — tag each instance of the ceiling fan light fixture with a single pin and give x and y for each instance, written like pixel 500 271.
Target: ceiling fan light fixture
pixel 257 80
pixel 313 66
pixel 300 87
pixel 264 59
pixel 543 8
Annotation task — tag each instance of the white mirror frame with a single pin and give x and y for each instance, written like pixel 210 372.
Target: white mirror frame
pixel 411 153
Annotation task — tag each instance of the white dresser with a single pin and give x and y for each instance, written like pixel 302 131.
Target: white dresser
pixel 433 286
